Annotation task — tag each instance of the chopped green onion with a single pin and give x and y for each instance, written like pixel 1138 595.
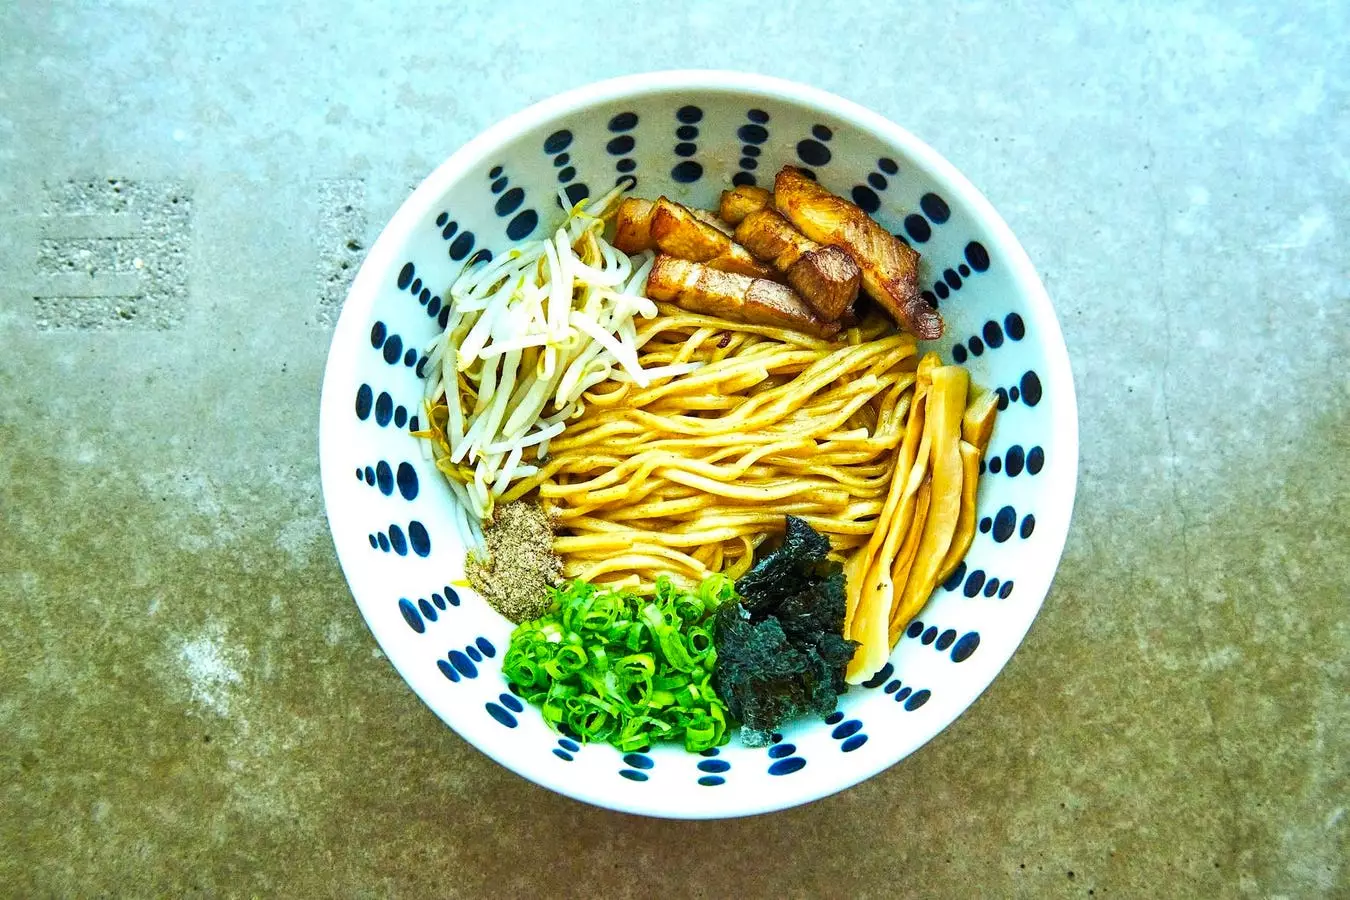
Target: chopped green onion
pixel 700 642
pixel 635 666
pixel 569 658
pixel 606 665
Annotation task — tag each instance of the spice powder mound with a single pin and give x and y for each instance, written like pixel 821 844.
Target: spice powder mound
pixel 517 566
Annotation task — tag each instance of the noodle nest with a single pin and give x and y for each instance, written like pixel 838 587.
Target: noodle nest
pixel 688 475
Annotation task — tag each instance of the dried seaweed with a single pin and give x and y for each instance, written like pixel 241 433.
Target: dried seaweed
pixel 780 651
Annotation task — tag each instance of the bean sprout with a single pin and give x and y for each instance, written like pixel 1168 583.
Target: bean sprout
pixel 531 331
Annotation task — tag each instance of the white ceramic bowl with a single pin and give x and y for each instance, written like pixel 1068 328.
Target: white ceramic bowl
pixel 690 135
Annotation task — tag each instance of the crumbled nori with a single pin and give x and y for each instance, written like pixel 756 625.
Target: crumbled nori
pixel 786 570
pixel 780 651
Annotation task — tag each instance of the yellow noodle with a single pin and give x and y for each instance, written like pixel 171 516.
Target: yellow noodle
pixel 743 343
pixel 743 561
pixel 619 541
pixel 673 317
pixel 691 474
pixel 608 398
pixel 629 562
pixel 694 402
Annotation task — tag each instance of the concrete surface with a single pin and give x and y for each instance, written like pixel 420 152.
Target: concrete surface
pixel 189 702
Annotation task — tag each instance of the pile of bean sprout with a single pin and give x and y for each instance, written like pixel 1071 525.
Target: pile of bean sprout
pixel 529 333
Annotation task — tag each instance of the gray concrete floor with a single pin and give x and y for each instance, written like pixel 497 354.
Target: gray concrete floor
pixel 189 701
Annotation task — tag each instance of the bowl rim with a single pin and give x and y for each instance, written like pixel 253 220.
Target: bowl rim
pixel 335 407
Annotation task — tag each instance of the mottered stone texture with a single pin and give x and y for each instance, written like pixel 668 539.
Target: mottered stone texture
pixel 191 704
pixel 112 253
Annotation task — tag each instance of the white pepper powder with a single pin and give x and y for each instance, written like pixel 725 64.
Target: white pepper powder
pixel 517 566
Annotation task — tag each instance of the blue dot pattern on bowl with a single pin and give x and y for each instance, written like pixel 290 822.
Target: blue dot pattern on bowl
pixel 555 145
pixel 875 681
pixel 752 135
pixel 394 539
pixel 686 144
pixel 386 478
pixel 622 124
pixel 379 408
pixel 687 170
pixel 846 729
pixel 977 581
pixel 714 769
pixel 907 696
pixel 812 151
pixel 785 756
pixel 962 647
pixel 1028 389
pixel 411 615
pixel 391 348
pixel 992 335
pixel 1018 460
pixel 868 196
pixel 638 760
pixel 849 735
pixel 501 715
pixel 787 766
pixel 463 664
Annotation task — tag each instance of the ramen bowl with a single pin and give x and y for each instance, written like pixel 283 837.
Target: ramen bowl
pixel 691 135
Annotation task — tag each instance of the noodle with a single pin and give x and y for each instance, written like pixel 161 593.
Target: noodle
pixel 688 475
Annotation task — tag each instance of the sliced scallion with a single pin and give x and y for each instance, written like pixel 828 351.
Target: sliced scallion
pixel 611 666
